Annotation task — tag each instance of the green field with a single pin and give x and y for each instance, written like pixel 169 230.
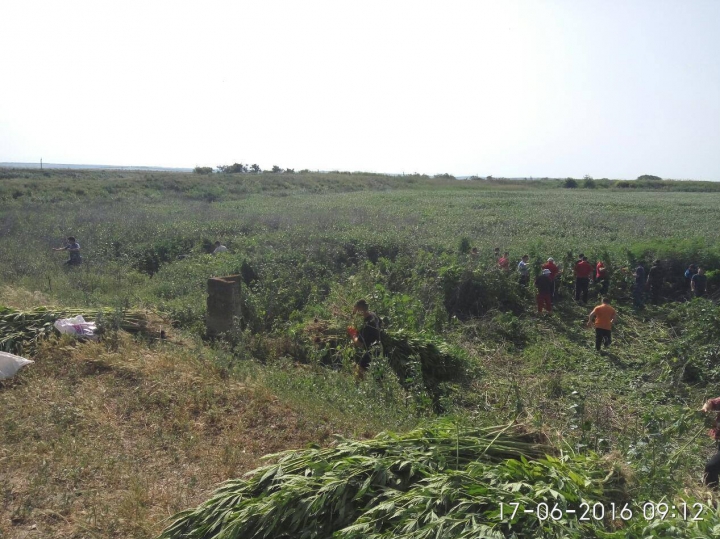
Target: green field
pixel 308 246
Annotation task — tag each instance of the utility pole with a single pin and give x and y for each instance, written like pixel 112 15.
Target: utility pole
pixel 41 163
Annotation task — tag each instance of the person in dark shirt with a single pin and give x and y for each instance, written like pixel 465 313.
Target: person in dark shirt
pixel 698 283
pixel 369 333
pixel 544 285
pixel 73 248
pixel 692 270
pixel 655 281
pixel 638 290
pixel 583 271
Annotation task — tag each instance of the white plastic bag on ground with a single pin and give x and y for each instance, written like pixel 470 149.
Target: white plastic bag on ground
pixel 76 326
pixel 10 364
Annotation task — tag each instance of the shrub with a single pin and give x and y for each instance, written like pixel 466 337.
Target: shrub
pixel 203 170
pixel 570 183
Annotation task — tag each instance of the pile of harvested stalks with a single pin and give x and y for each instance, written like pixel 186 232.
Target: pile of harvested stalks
pixel 20 331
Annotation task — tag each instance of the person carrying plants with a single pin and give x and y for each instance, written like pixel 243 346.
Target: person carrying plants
pixel 604 316
pixel 524 270
pixel 73 248
pixel 544 286
pixel 583 270
pixel 712 467
pixel 698 283
pixel 368 335
pixel 655 281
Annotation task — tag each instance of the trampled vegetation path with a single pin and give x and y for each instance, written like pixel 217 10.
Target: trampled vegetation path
pixel 111 439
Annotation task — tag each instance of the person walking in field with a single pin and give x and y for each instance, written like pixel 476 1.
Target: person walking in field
pixel 554 274
pixel 504 262
pixel 602 276
pixel 368 335
pixel 712 467
pixel 692 270
pixel 524 270
pixel 219 248
pixel 655 281
pixel 698 283
pixel 603 317
pixel 583 271
pixel 544 286
pixel 73 248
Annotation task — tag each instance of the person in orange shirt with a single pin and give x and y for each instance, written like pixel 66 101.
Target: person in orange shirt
pixel 603 315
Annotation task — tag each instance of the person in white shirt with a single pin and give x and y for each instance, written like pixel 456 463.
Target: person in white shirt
pixel 219 248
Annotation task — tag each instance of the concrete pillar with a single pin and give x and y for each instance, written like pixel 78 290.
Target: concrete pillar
pixel 223 303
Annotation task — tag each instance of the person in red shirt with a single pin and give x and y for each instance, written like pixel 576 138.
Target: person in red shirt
pixel 554 274
pixel 602 277
pixel 583 271
pixel 504 261
pixel 712 468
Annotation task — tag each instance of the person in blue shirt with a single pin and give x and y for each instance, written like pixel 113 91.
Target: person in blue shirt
pixel 73 248
pixel 692 270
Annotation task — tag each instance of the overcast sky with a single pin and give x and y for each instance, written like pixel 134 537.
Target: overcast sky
pixel 510 88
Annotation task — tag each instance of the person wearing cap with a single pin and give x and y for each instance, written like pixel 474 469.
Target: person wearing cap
pixel 583 270
pixel 554 275
pixel 369 333
pixel 524 270
pixel 712 467
pixel 602 277
pixel 544 286
pixel 604 316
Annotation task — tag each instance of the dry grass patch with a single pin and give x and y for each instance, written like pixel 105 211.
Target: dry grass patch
pixel 103 443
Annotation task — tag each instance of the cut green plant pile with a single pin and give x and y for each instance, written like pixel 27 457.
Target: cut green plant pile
pixel 20 331
pixel 439 481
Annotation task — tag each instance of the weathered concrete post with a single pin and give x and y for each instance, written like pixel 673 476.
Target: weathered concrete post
pixel 223 303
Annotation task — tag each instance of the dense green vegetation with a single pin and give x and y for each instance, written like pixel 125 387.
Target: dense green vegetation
pixel 309 245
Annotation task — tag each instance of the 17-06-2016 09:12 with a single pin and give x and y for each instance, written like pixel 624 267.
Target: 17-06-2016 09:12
pixel 599 511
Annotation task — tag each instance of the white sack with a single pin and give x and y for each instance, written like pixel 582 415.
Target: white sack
pixel 76 326
pixel 10 364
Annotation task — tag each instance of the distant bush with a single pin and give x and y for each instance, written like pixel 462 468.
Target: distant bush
pixel 622 184
pixel 589 183
pixel 650 178
pixel 444 176
pixel 570 183
pixel 203 170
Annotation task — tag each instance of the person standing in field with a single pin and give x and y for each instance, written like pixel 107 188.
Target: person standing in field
pixel 712 467
pixel 544 286
pixel 604 316
pixel 368 335
pixel 692 270
pixel 583 270
pixel 524 269
pixel 698 283
pixel 554 273
pixel 219 248
pixel 504 262
pixel 655 281
pixel 73 248
pixel 602 277
pixel 638 290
